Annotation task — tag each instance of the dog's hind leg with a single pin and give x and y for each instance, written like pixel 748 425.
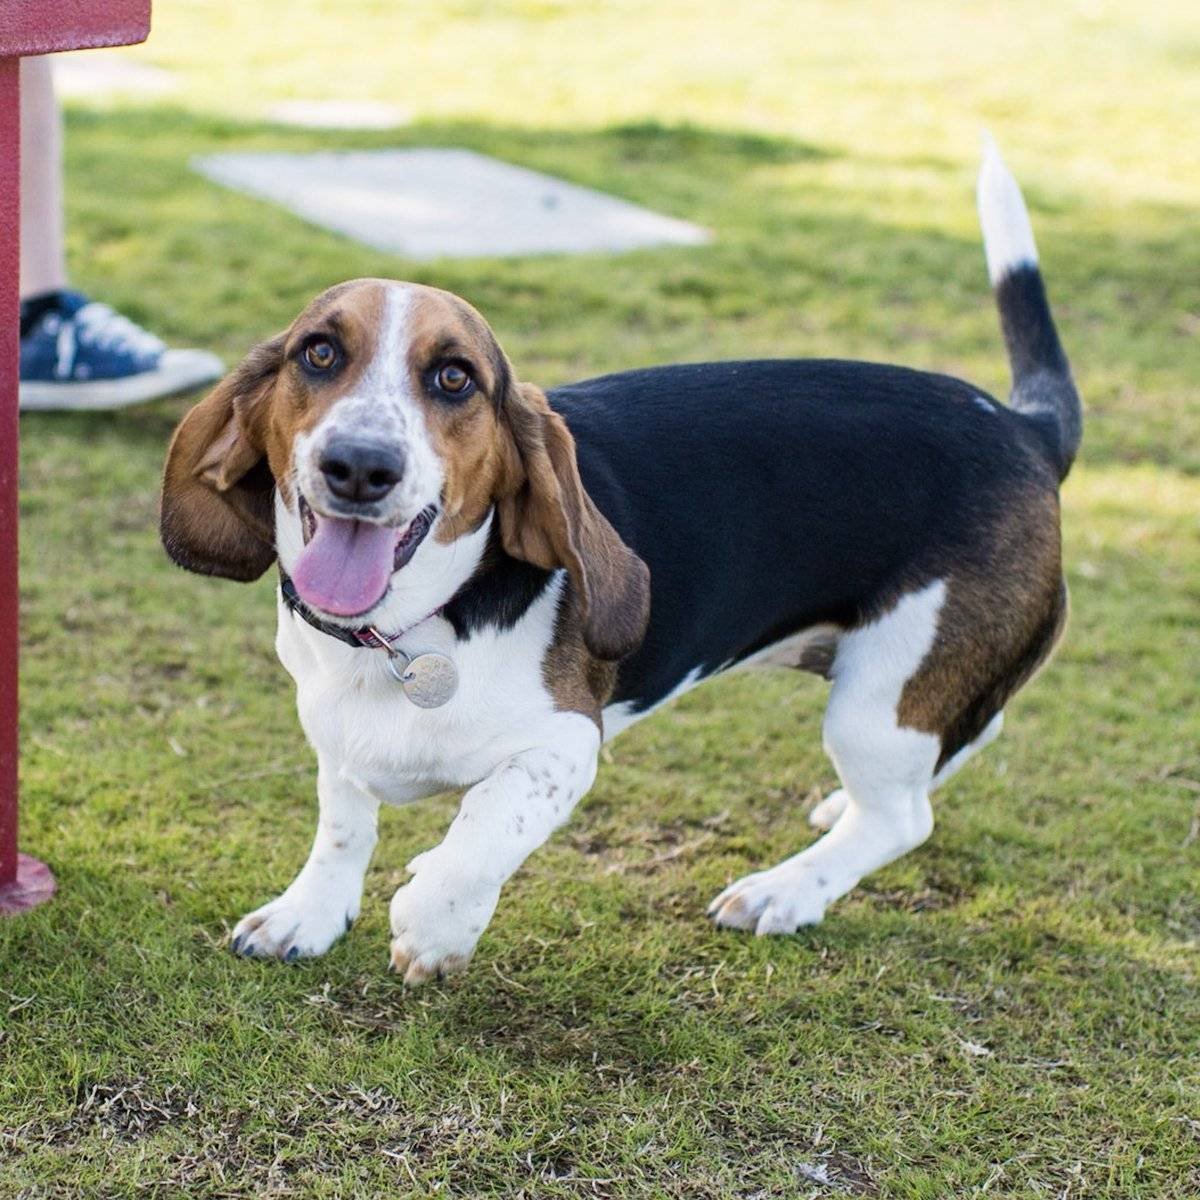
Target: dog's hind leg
pixel 952 766
pixel 825 813
pixel 915 693
pixel 886 769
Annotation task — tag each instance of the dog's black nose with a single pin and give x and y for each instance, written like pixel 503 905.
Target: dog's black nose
pixel 360 471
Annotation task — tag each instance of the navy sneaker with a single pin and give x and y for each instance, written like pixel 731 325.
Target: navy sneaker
pixel 79 354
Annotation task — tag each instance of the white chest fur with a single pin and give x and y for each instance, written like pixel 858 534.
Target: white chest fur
pixel 358 719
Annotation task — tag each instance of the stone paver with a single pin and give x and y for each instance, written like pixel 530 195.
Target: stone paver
pixel 434 203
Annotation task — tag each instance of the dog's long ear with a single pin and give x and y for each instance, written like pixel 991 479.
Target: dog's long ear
pixel 217 515
pixel 549 519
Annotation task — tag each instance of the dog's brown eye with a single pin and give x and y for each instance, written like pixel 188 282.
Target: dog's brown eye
pixel 320 355
pixel 453 379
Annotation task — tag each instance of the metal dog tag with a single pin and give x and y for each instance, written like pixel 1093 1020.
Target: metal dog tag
pixel 429 680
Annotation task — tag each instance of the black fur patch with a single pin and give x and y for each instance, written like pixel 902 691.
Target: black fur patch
pixel 768 497
pixel 1042 386
pixel 498 594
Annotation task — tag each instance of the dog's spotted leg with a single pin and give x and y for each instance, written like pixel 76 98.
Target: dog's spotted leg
pixel 886 770
pixel 323 900
pixel 438 917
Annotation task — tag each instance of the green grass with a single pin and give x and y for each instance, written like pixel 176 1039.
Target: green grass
pixel 1010 1011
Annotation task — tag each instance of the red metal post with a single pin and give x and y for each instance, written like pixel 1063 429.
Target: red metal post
pixel 28 27
pixel 24 881
pixel 10 244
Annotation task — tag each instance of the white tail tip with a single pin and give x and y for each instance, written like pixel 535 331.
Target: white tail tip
pixel 1007 233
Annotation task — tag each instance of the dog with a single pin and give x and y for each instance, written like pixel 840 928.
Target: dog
pixel 481 581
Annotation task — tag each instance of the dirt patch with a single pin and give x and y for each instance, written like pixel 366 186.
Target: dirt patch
pixel 121 1110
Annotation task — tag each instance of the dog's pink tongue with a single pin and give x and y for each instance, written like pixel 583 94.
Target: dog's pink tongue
pixel 345 568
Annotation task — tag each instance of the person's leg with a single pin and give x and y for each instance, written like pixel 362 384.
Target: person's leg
pixel 43 262
pixel 77 353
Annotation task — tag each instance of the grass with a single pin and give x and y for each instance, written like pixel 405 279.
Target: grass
pixel 1010 1011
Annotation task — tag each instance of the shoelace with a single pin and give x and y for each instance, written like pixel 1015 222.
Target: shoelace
pixel 102 327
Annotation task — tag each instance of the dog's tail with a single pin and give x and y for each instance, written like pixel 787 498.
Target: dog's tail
pixel 1042 387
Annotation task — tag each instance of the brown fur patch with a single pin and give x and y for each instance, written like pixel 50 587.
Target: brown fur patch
pixel 577 680
pixel 1003 612
pixel 216 512
pixel 477 454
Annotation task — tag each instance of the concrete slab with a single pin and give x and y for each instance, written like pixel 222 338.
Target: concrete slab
pixel 338 114
pixel 102 73
pixel 435 203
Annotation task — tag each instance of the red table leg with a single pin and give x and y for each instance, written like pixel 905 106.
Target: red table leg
pixel 29 27
pixel 24 881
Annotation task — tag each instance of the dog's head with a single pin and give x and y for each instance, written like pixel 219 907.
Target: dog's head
pixel 386 415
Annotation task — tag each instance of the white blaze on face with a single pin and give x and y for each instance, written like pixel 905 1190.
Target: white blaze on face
pixel 384 406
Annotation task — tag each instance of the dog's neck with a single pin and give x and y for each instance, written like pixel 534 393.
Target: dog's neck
pixel 436 574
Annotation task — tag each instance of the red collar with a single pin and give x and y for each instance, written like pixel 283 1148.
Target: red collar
pixel 362 636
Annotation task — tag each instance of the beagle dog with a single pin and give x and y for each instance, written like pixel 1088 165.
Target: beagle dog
pixel 481 581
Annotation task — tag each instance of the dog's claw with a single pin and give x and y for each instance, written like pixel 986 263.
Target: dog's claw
pixel 416 972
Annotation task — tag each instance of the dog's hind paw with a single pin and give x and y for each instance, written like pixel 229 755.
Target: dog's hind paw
pixel 827 811
pixel 776 901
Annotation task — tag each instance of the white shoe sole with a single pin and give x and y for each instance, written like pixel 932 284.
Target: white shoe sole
pixel 177 371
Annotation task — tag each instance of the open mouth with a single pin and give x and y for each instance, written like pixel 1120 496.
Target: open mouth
pixel 347 564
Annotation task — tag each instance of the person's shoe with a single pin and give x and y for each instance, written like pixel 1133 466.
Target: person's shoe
pixel 79 354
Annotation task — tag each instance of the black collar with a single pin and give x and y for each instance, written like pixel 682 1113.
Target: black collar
pixel 362 637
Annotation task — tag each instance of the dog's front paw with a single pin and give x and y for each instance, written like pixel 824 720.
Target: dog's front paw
pixel 436 922
pixel 776 901
pixel 298 924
